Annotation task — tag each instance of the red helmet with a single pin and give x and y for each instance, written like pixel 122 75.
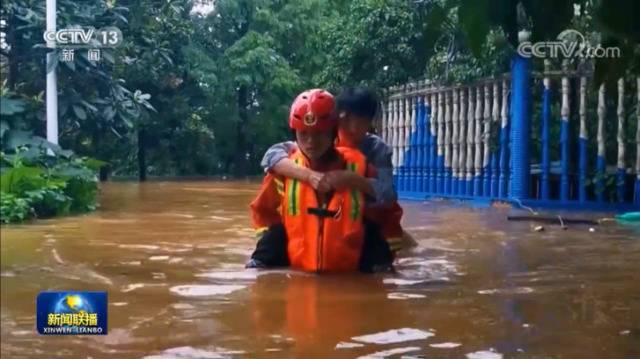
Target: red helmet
pixel 313 110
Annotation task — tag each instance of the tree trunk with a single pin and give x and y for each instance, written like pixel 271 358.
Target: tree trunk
pixel 240 169
pixel 97 152
pixel 104 173
pixel 142 160
pixel 13 59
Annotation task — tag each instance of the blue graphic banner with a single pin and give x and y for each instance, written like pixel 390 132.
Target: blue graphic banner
pixel 72 313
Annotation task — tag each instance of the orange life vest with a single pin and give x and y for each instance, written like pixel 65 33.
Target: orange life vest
pixel 327 238
pixel 388 217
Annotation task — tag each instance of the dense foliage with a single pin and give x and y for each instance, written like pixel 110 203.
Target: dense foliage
pixel 192 92
pixel 202 93
pixel 38 185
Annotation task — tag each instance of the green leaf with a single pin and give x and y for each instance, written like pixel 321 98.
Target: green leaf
pixel 148 106
pixel 95 164
pixel 65 153
pixel 11 177
pixel 4 127
pixel 70 64
pixel 80 112
pixel 89 106
pixel 108 56
pixel 18 138
pixel 121 17
pixel 166 57
pixel 10 106
pixel 109 112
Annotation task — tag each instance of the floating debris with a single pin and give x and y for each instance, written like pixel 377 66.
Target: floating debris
pixel 132 263
pixel 231 275
pixel 403 296
pixel 194 353
pixel 56 256
pixel 158 275
pixel 182 306
pixel 400 281
pixel 159 258
pixel 348 345
pixel 132 287
pixel 390 352
pixel 394 336
pixel 199 290
pixel 445 345
pixel 517 290
pixel 485 354
pixel 138 246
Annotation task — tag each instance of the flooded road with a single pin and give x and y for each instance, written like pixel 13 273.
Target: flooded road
pixel 171 257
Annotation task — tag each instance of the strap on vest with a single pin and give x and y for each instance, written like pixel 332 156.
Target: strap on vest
pixel 322 212
pixel 326 213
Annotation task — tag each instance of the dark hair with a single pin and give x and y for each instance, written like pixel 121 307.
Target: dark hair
pixel 360 101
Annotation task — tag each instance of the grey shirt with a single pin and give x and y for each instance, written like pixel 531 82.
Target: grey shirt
pixel 377 152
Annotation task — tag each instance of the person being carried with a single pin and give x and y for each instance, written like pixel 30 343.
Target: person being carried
pixel 356 108
pixel 312 230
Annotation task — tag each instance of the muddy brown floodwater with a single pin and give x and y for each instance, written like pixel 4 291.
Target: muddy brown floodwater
pixel 171 255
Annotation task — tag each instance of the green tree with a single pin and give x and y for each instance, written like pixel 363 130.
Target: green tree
pixel 379 43
pixel 206 94
pixel 258 48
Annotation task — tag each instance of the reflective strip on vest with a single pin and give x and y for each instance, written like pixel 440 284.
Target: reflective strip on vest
pixel 294 197
pixel 355 195
pixel 294 194
pixel 260 231
pixel 279 186
pixel 395 243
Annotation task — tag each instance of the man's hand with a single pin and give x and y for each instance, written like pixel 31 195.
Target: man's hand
pixel 319 181
pixel 341 179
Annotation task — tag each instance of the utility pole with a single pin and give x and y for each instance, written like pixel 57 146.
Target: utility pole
pixel 52 85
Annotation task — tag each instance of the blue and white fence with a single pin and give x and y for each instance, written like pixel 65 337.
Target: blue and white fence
pixel 481 141
pixel 442 139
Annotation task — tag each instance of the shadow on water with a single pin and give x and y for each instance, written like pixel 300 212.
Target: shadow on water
pixel 171 256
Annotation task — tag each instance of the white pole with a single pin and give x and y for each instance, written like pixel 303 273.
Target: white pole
pixel 487 129
pixel 621 134
pixel 470 136
pixel 462 134
pixel 455 138
pixel 602 113
pixel 638 133
pixel 52 86
pixel 440 126
pixel 478 138
pixel 447 131
pixel 401 128
pixel 395 132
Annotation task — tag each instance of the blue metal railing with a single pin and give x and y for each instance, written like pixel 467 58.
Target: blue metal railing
pixel 475 141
